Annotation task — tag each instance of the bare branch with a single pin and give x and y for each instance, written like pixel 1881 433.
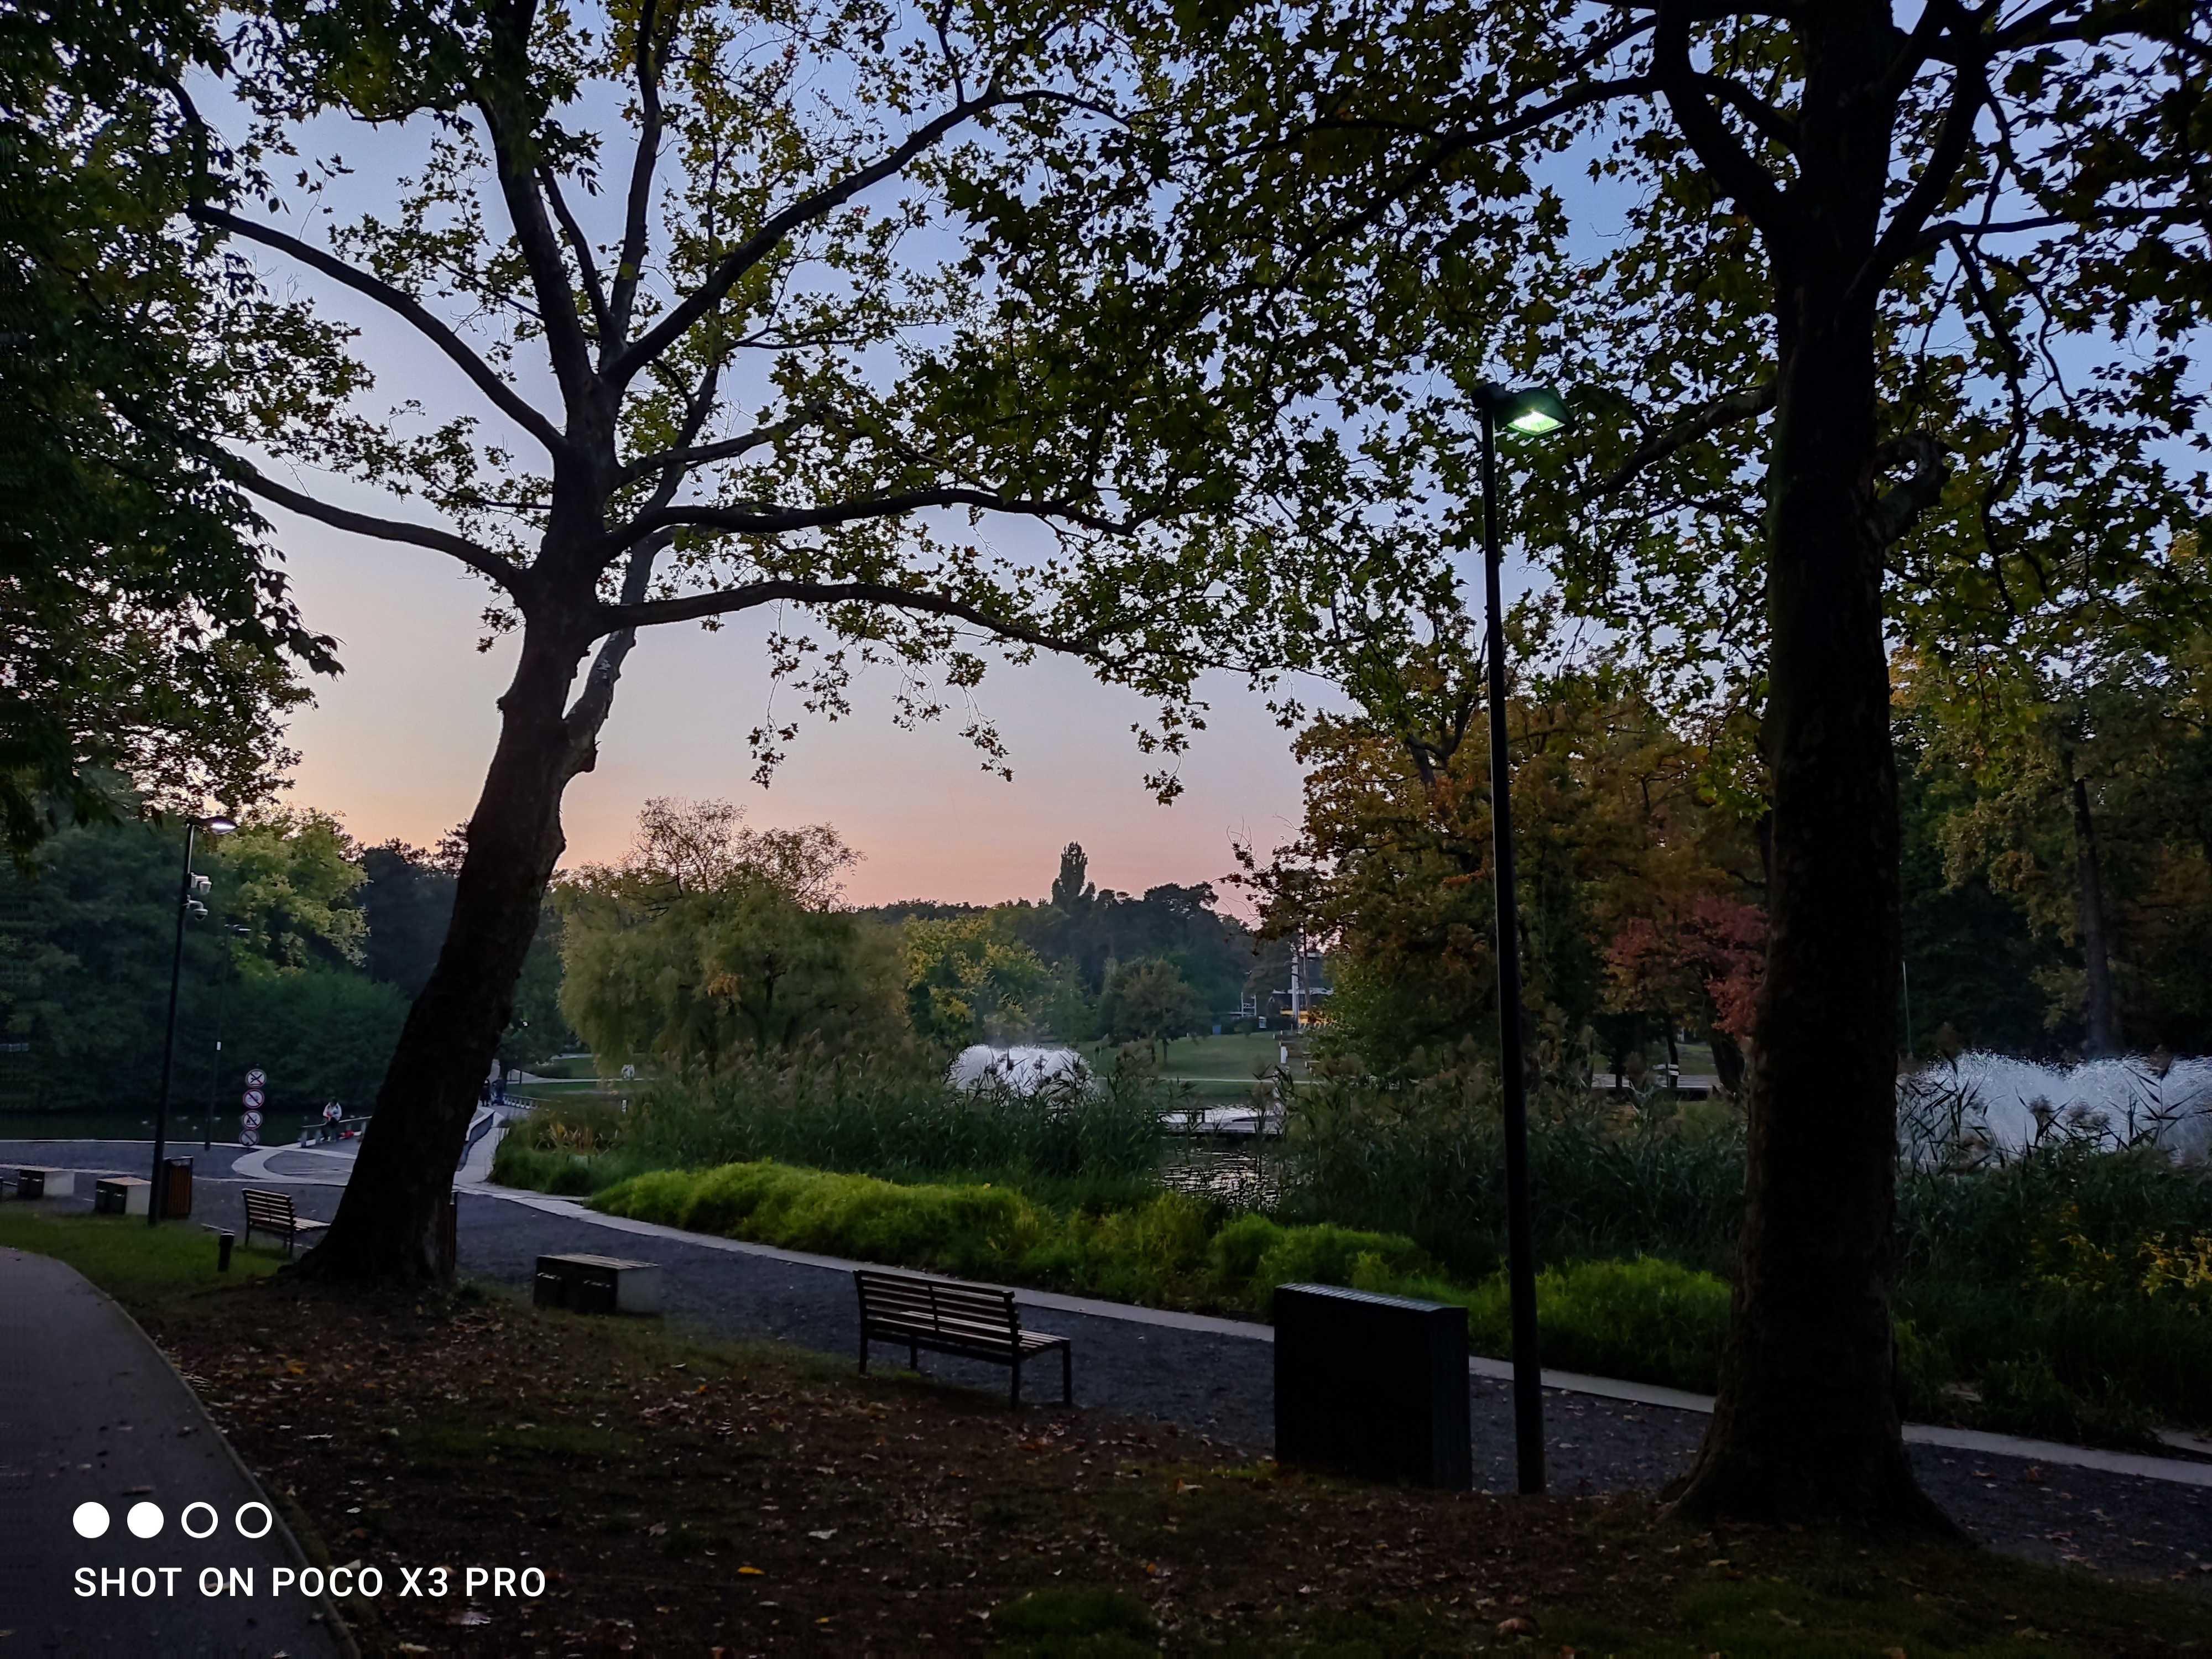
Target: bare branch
pixel 510 402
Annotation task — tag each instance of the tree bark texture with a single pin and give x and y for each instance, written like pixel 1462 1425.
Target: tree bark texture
pixel 2102 1015
pixel 386 1229
pixel 1807 1424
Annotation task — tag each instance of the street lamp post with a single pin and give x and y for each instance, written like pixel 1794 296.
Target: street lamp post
pixel 1535 412
pixel 215 1061
pixel 159 1199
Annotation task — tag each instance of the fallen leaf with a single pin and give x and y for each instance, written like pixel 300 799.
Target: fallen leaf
pixel 825 1534
pixel 750 1572
pixel 657 1529
pixel 1517 1625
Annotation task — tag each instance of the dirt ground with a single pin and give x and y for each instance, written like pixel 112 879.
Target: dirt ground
pixel 683 1497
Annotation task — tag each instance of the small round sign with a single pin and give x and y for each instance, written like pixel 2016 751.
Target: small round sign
pixel 253 1098
pixel 255 1079
pixel 249 1138
pixel 252 1120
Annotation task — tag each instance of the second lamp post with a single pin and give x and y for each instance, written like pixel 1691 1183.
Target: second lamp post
pixel 1534 412
pixel 158 1199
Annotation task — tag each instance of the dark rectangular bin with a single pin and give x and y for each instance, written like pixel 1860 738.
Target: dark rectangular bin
pixel 1373 1386
pixel 177 1188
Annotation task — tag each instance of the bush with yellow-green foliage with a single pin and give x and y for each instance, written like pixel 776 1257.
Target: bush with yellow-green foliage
pixel 1648 1320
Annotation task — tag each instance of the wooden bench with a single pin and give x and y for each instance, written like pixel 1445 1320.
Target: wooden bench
pixel 272 1213
pixel 946 1317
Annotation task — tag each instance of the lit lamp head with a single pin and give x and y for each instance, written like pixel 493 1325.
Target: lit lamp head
pixel 1534 412
pixel 220 825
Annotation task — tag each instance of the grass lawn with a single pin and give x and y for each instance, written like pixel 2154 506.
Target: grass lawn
pixel 682 1497
pixel 1220 1068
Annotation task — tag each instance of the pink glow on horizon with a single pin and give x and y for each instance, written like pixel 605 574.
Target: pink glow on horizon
pixel 398 746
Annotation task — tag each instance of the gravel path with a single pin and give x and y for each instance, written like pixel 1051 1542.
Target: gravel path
pixel 1223 1386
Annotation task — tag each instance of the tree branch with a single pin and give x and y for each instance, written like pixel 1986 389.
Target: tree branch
pixel 702 454
pixel 478 558
pixel 762 520
pixel 730 601
pixel 585 265
pixel 1969 94
pixel 510 402
pixel 638 208
pixel 1724 412
pixel 764 241
pixel 1898 508
pixel 1734 169
pixel 504 100
pixel 1950 230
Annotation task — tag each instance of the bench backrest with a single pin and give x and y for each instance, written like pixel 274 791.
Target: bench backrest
pixel 972 1313
pixel 266 1209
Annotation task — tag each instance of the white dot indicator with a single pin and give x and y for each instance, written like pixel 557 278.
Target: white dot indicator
pixel 144 1520
pixel 185 1521
pixel 90 1520
pixel 244 1510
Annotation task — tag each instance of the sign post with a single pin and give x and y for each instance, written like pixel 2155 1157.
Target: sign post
pixel 249 1129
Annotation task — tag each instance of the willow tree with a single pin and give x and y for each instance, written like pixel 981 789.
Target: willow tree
pixel 705 273
pixel 1892 328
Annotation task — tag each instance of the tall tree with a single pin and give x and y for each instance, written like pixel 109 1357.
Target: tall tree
pixel 767 371
pixel 1818 365
pixel 143 620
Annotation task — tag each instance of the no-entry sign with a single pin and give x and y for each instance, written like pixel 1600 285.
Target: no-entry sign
pixel 254 1079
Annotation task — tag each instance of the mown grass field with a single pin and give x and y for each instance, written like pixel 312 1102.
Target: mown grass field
pixel 683 1496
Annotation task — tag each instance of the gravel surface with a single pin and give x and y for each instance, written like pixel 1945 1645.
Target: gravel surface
pixel 1223 1386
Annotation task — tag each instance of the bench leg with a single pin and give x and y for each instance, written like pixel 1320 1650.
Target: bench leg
pixel 1067 1376
pixel 913 1358
pixel 864 1353
pixel 1014 1391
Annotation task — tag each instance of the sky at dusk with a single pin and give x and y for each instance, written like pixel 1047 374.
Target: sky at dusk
pixel 398 746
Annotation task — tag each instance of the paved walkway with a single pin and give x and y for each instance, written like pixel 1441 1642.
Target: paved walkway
pixel 1216 1377
pixel 97 1430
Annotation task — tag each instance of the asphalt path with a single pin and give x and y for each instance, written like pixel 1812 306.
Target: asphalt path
pixel 121 1497
pixel 1221 1386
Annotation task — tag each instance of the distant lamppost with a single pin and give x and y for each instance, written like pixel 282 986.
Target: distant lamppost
pixel 188 886
pixel 214 1061
pixel 1534 412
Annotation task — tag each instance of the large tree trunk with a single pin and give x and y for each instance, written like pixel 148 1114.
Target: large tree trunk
pixel 2103 1035
pixel 1807 1424
pixel 387 1227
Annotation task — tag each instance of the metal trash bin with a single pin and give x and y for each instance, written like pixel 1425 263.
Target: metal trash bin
pixel 176 1188
pixel 1373 1386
